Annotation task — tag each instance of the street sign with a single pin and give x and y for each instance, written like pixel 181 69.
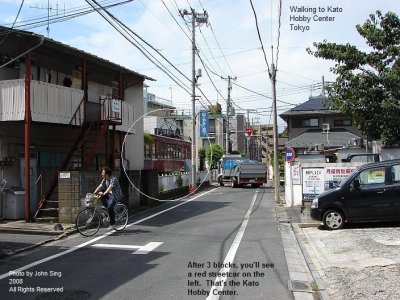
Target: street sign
pixel 249 131
pixel 290 154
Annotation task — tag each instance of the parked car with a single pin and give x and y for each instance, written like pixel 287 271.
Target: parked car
pixel 371 193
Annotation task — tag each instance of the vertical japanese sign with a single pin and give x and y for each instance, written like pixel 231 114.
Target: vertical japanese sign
pixel 204 124
pixel 313 182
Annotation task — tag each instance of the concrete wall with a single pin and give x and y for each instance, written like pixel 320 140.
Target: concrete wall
pixel 69 195
pixel 134 143
pixel 390 153
pixel 169 182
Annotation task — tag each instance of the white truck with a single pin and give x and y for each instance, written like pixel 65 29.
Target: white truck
pixel 239 171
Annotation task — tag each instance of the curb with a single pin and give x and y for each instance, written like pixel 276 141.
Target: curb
pixel 60 235
pixel 302 241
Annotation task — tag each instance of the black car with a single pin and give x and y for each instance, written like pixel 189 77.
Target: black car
pixel 371 193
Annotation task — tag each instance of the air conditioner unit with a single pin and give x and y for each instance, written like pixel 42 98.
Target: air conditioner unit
pixel 325 127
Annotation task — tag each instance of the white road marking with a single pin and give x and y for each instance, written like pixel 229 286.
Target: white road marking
pixel 38 262
pixel 139 249
pixel 147 248
pixel 219 281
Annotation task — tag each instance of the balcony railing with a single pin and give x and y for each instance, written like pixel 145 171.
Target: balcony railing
pixel 12 100
pixel 51 103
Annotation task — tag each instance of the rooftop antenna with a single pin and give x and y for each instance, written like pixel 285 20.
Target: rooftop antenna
pixel 49 11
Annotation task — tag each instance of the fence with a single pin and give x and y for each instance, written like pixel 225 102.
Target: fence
pixel 173 181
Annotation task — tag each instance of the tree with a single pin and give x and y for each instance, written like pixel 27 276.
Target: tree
pixel 213 154
pixel 367 86
pixel 148 139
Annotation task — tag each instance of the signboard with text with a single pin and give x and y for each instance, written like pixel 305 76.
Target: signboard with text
pixel 204 124
pixel 334 175
pixel 116 106
pixel 313 182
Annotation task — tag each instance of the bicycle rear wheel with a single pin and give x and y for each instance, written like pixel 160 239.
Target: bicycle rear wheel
pixel 88 222
pixel 121 216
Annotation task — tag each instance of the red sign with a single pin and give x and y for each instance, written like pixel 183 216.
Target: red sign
pixel 249 131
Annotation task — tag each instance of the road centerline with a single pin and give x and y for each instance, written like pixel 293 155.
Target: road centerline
pixel 230 256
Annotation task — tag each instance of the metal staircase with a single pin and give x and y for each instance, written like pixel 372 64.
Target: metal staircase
pixel 88 137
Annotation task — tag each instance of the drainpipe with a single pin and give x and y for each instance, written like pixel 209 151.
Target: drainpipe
pixel 27 125
pixel 27 135
pixel 85 87
pixel 121 135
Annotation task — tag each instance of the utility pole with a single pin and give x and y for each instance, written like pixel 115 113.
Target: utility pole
pixel 196 18
pixel 275 131
pixel 228 106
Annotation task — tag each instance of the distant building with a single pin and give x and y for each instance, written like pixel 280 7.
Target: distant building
pixel 315 125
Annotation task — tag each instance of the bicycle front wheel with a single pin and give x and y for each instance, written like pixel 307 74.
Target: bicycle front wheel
pixel 88 222
pixel 121 216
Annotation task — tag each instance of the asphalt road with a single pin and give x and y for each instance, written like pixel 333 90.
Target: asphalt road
pixel 220 244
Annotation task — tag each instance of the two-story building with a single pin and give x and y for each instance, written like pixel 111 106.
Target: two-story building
pixel 315 125
pixel 62 108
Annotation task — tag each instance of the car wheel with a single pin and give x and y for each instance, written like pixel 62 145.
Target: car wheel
pixel 333 219
pixel 233 182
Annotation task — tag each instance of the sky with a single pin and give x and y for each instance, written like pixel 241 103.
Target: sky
pixel 228 46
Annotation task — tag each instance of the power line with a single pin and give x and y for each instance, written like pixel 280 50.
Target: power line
pixel 279 32
pixel 259 37
pixel 44 21
pixel 140 47
pixel 15 20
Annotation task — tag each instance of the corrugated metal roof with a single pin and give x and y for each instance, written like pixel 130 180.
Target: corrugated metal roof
pixel 331 139
pixel 48 40
pixel 49 43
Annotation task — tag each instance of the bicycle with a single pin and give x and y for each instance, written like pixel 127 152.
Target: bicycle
pixel 89 220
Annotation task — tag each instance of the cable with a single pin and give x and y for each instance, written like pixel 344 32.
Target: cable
pixel 259 37
pixel 27 51
pixel 209 49
pixel 77 12
pixel 15 20
pixel 142 49
pixel 279 33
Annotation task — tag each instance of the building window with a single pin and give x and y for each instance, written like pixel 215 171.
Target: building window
pixel 343 122
pixel 310 122
pixel 211 126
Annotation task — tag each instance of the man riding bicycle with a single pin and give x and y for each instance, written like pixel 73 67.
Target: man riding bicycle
pixel 109 191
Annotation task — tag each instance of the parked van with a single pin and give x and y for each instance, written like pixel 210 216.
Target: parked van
pixel 371 193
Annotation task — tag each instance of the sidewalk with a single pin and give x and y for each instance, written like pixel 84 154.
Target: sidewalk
pixel 17 235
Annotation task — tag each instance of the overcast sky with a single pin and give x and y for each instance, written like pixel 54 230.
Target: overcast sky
pixel 229 45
